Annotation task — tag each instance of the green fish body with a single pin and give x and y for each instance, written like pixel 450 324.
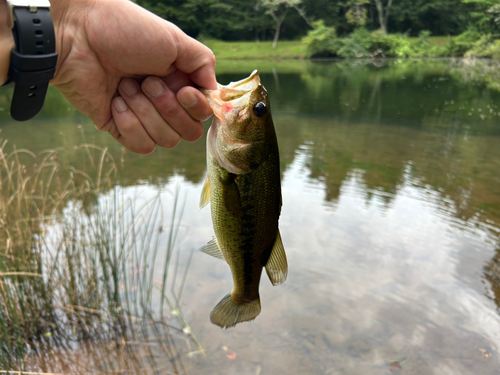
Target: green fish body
pixel 244 190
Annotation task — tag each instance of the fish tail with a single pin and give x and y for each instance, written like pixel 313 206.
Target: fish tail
pixel 228 313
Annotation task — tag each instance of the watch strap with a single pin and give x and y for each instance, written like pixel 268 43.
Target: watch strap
pixel 33 62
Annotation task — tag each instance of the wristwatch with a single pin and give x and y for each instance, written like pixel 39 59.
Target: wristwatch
pixel 33 61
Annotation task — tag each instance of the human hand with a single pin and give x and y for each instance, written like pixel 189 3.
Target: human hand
pixel 131 72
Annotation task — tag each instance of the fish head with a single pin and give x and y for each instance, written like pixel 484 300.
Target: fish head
pixel 242 122
pixel 242 107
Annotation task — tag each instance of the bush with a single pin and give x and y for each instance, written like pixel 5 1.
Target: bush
pixel 321 41
pixel 486 46
pixel 357 45
pixel 394 45
pixel 459 45
pixel 361 43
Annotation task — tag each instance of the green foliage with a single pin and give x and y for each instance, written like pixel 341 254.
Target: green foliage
pixel 357 14
pixel 422 47
pixel 357 45
pixel 227 20
pixel 440 17
pixel 461 44
pixel 483 14
pixel 485 46
pixel 321 41
pixel 244 20
pixel 363 44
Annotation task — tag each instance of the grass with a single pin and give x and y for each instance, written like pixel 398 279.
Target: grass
pixel 263 66
pixel 436 40
pixel 285 50
pixel 256 50
pixel 77 261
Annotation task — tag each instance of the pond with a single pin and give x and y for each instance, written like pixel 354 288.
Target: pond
pixel 390 222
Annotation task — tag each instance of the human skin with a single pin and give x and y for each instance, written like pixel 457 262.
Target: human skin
pixel 132 73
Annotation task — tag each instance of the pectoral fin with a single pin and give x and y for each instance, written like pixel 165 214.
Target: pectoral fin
pixel 231 196
pixel 212 248
pixel 277 267
pixel 205 194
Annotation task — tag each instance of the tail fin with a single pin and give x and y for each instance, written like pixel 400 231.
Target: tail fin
pixel 228 313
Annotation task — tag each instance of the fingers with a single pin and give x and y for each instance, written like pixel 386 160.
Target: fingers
pixel 197 60
pixel 191 99
pixel 146 114
pixel 126 128
pixel 183 112
pixel 195 103
pixel 156 114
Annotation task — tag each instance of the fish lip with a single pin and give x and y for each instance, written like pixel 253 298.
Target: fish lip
pixel 236 93
pixel 251 82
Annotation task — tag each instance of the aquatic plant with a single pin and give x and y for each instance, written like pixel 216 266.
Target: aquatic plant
pixel 77 267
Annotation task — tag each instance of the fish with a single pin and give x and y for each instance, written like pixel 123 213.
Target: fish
pixel 243 187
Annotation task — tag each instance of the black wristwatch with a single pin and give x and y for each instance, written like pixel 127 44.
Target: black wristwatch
pixel 33 61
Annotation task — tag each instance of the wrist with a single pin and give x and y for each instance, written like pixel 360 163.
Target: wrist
pixel 69 17
pixel 65 25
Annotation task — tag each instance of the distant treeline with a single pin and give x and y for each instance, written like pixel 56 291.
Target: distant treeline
pixel 258 19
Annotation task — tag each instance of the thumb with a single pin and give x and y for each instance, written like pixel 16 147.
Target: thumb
pixel 196 60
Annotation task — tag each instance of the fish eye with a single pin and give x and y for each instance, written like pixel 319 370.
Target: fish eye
pixel 259 109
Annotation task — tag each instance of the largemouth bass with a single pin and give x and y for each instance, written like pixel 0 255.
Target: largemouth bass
pixel 244 190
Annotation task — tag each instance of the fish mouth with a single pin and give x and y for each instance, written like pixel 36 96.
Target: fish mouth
pixel 232 96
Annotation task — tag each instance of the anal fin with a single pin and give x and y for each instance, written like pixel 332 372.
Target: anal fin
pixel 212 248
pixel 277 266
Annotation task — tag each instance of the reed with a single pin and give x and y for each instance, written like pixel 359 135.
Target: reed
pixel 77 269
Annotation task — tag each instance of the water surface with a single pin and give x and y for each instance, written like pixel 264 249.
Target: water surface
pixel 390 221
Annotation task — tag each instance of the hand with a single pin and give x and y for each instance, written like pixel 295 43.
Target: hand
pixel 132 72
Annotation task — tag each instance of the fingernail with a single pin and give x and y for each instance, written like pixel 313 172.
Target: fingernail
pixel 120 104
pixel 188 100
pixel 153 87
pixel 129 87
pixel 205 119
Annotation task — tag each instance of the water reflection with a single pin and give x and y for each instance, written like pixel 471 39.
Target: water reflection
pixel 391 218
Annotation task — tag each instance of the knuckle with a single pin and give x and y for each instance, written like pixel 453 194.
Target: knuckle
pixel 127 127
pixel 212 59
pixel 208 57
pixel 169 111
pixel 101 128
pixel 114 132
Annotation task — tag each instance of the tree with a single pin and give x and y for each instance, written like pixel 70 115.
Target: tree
pixel 484 14
pixel 440 17
pixel 278 9
pixel 356 14
pixel 220 19
pixel 383 13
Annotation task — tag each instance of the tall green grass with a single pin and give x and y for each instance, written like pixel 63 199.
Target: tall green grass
pixel 77 269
